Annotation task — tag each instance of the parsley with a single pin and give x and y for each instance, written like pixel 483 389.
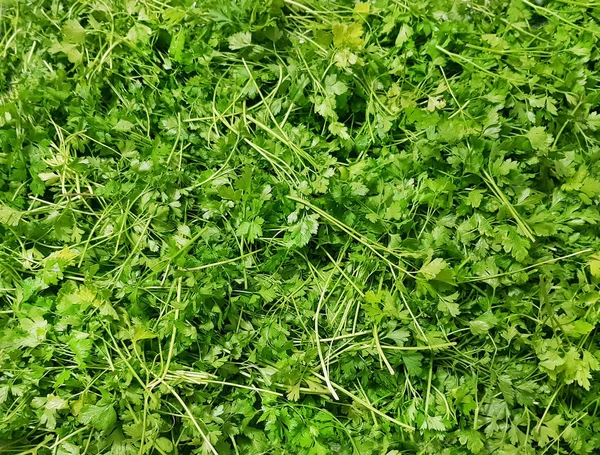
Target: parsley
pixel 299 227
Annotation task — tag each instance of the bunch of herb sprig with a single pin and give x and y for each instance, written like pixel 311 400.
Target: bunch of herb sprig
pixel 299 227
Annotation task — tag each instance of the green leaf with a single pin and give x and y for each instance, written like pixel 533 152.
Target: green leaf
pixel 433 268
pixel 123 126
pixel 372 298
pixel 412 362
pixel 177 45
pixel 593 121
pixel 483 324
pixel 332 85
pixel 73 32
pixel 164 444
pixel 448 305
pixel 339 129
pixel 35 329
pixel 139 34
pixel 472 439
pixel 404 34
pixel 474 198
pixel 362 8
pixel 102 417
pixel 434 423
pixel 539 139
pixel 550 429
pixel 9 216
pixel 71 50
pixel 302 231
pixel 251 229
pixel 348 35
pixel 240 40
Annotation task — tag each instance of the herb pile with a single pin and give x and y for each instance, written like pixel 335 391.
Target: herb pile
pixel 299 227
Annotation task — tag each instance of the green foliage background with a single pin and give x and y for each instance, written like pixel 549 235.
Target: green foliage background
pixel 299 227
